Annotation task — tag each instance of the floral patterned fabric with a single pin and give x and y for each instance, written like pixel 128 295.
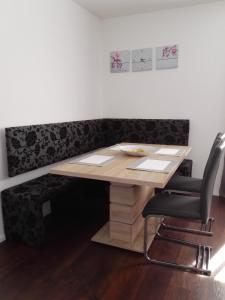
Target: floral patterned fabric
pixel 155 131
pixel 185 168
pixel 31 147
pixel 22 204
pixel 22 207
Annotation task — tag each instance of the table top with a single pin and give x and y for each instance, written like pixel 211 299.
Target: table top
pixel 116 170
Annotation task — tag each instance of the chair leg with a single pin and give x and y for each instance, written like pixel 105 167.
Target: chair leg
pixel 206 229
pixel 202 254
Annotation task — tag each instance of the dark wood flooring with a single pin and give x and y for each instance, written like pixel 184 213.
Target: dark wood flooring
pixel 72 267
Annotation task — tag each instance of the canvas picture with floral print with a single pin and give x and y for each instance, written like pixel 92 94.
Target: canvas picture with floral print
pixel 120 61
pixel 167 57
pixel 142 60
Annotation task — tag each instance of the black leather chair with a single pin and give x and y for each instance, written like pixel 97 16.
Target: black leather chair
pixel 189 185
pixel 186 207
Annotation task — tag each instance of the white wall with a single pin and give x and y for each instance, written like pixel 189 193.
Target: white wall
pixel 51 70
pixel 50 58
pixel 196 90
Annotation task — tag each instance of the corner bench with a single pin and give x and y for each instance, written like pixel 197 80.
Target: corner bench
pixel 32 147
pixel 22 205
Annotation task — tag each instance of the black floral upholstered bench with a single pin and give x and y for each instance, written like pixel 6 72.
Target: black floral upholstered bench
pixel 22 207
pixel 32 147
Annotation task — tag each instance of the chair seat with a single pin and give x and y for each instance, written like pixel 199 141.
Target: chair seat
pixel 173 206
pixel 184 183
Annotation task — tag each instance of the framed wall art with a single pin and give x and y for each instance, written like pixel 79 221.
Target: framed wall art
pixel 120 61
pixel 142 60
pixel 167 57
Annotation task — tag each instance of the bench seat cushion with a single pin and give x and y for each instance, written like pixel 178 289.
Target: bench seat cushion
pixel 44 187
pixel 22 206
pixel 185 169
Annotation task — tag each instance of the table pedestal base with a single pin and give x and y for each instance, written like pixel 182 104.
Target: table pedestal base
pixel 125 227
pixel 103 237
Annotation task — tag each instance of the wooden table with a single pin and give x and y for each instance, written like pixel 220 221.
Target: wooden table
pixel 129 192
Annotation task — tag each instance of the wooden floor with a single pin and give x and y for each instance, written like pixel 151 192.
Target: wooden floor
pixel 71 267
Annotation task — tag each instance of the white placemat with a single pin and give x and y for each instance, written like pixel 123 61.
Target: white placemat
pixel 115 147
pixel 153 165
pixel 169 151
pixel 94 159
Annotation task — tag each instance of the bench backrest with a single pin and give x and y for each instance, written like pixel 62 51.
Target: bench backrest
pixel 35 146
pixel 152 131
pixel 32 147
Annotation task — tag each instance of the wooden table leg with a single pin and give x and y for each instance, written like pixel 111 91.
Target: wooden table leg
pixel 125 227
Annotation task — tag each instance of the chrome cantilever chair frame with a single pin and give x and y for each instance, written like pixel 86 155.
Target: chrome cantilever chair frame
pixel 205 230
pixel 192 209
pixel 201 265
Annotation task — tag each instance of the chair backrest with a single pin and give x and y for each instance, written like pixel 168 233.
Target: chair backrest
pixel 209 178
pixel 219 137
